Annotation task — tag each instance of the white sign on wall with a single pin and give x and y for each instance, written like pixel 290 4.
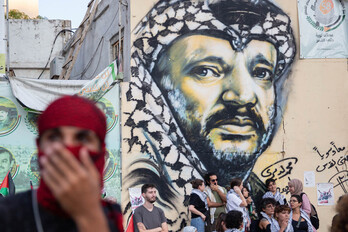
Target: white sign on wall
pixel 323 28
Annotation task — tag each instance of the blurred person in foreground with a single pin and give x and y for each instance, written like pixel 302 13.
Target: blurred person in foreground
pixel 234 221
pixel 340 223
pixel 71 148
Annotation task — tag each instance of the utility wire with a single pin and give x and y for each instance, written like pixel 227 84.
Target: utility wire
pixel 54 41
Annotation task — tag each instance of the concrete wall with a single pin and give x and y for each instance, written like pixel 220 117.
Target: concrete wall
pixel 31 42
pixel 96 51
pixel 159 147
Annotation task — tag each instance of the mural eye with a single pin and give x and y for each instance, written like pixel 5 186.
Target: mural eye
pixel 263 73
pixel 204 72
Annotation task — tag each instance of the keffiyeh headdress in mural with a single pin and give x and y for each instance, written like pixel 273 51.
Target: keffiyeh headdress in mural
pixel 156 149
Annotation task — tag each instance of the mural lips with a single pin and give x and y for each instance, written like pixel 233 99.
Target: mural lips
pixel 236 124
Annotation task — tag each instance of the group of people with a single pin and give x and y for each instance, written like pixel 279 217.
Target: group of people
pixel 211 204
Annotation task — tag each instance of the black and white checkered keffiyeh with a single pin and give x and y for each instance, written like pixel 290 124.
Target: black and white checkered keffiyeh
pixel 155 150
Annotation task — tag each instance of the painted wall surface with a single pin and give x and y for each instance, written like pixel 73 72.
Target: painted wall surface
pixel 208 94
pixel 18 132
pixel 31 43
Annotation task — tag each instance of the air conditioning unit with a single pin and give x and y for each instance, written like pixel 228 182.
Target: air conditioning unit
pixel 56 66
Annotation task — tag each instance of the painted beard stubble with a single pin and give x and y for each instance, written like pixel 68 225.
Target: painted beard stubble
pixel 198 135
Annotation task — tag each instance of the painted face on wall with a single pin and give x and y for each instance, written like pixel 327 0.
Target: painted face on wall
pixel 5 164
pixel 221 97
pixel 3 115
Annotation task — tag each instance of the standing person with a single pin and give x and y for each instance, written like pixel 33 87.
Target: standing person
pixel 71 149
pixel 236 200
pixel 198 205
pixel 148 217
pixel 300 219
pixel 296 188
pixel 216 198
pixel 282 215
pixel 251 208
pixel 273 192
pixel 266 214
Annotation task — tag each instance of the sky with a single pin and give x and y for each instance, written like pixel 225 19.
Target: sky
pixel 73 10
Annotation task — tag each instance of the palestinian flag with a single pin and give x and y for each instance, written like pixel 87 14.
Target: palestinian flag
pixel 130 227
pixel 7 186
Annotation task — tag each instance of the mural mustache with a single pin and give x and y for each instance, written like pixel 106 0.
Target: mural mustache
pixel 238 116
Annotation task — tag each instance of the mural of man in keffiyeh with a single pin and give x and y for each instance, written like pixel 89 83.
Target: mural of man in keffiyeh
pixel 206 94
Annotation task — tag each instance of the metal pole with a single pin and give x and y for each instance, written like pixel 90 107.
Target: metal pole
pixel 8 41
pixel 119 34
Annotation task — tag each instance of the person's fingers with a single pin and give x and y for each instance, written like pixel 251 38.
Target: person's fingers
pixel 69 160
pixel 49 174
pixel 87 162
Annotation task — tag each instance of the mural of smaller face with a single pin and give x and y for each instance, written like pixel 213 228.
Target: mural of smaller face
pixel 3 115
pixel 222 97
pixel 6 162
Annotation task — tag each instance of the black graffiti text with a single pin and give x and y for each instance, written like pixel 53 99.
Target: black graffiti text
pixel 332 151
pixel 339 179
pixel 279 169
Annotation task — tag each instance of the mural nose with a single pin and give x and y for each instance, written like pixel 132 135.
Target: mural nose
pixel 238 90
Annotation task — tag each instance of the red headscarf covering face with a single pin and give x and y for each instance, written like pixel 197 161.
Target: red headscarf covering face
pixel 71 111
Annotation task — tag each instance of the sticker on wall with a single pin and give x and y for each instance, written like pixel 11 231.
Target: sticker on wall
pixel 9 118
pixel 136 198
pixel 325 194
pixel 309 179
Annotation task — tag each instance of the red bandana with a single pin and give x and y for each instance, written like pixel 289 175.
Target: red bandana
pixel 71 111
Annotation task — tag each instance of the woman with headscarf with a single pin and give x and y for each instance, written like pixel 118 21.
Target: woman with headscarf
pixel 300 219
pixel 198 205
pixel 296 188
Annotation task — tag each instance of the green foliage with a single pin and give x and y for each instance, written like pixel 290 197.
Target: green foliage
pixel 16 14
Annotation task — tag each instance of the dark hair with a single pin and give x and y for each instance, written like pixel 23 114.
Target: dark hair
pixel 341 219
pixel 221 218
pixel 147 186
pixel 281 208
pixel 266 201
pixel 4 150
pixel 207 177
pixel 298 197
pixel 236 182
pixel 268 181
pixel 196 183
pixel 4 108
pixel 234 219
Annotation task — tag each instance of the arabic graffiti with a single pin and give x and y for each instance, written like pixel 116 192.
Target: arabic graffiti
pixel 331 150
pixel 339 179
pixel 331 154
pixel 279 169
